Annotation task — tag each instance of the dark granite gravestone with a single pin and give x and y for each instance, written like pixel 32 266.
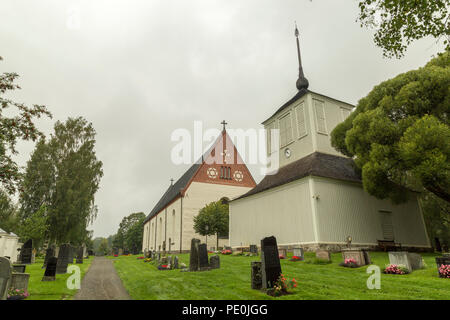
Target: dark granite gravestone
pixel 63 260
pixel 437 245
pixel 256 275
pixel 79 258
pixel 193 257
pixel 203 262
pixel 444 260
pixel 270 262
pixel 71 254
pixel 50 252
pixel 5 277
pixel 27 252
pixel 50 270
pixel 90 252
pixel 214 262
pixel 253 249
pixel 19 268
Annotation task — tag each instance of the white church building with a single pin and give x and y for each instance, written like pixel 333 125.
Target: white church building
pixel 316 199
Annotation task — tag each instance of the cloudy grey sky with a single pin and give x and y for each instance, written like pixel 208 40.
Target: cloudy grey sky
pixel 140 69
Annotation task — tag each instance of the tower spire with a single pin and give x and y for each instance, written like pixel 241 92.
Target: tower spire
pixel 302 82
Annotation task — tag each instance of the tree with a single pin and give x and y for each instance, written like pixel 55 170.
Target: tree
pixel 130 233
pixel 212 219
pixel 8 213
pixel 437 218
pixel 103 248
pixel 34 227
pixel 64 174
pixel 18 126
pixel 403 21
pixel 399 134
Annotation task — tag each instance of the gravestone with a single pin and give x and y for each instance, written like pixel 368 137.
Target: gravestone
pixel 193 257
pixel 282 252
pixel 175 262
pixel 159 256
pixel 50 270
pixel 19 268
pixel 79 258
pixel 270 262
pixel 63 260
pixel 169 262
pixel 5 277
pixel 203 262
pixel 323 254
pixel 256 275
pixel 298 252
pixel 120 252
pixel 214 262
pixel 50 252
pixel 360 256
pixel 444 260
pixel 70 254
pixel 26 254
pixel 437 245
pixel 19 281
pixel 412 261
pixel 253 249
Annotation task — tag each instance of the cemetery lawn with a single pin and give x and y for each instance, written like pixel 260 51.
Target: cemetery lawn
pixel 51 290
pixel 232 281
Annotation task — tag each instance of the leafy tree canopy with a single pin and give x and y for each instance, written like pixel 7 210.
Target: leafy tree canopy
pixel 130 233
pixel 212 219
pixel 399 134
pixel 16 124
pixel 400 22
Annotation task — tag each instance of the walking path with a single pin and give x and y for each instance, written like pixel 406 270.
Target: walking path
pixel 102 282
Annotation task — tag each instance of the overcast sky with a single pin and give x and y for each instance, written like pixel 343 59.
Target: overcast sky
pixel 140 69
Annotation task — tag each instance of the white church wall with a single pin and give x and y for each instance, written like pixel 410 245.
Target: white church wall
pixel 284 212
pixel 197 196
pixel 345 209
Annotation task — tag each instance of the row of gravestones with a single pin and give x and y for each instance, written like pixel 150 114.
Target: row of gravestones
pixel 198 258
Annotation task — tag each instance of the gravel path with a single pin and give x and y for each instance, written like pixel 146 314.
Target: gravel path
pixel 101 282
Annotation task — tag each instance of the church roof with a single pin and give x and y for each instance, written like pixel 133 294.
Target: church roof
pixel 316 164
pixel 174 191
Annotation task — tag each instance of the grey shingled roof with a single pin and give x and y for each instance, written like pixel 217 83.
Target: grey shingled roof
pixel 315 164
pixel 174 191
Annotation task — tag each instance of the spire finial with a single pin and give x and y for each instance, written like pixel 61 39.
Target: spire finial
pixel 171 181
pixel 224 124
pixel 302 82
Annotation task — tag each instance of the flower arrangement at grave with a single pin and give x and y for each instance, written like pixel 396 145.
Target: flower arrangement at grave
pixel 226 251
pixel 281 256
pixel 163 267
pixel 140 258
pixel 444 271
pixel 295 258
pixel 282 286
pixel 349 263
pixel 148 260
pixel 116 255
pixel 17 294
pixel 396 269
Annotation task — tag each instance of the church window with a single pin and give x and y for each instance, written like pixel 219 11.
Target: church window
pixel 285 130
pixel 301 120
pixel 345 113
pixel 319 107
pixel 225 173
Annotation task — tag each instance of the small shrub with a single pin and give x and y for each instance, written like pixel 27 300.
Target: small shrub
pixel 444 271
pixel 396 269
pixel 349 263
pixel 318 261
pixel 282 286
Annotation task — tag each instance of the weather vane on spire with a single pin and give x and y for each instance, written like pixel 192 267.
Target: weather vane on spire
pixel 302 82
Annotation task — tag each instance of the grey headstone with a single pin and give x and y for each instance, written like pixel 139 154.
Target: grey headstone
pixel 193 257
pixel 323 254
pixel 203 262
pixel 253 249
pixel 19 281
pixel 298 252
pixel 256 275
pixel 50 270
pixel 214 262
pixel 270 262
pixel 175 262
pixel 26 253
pixel 5 277
pixel 360 256
pixel 412 261
pixel 63 259
pixel 19 268
pixel 79 258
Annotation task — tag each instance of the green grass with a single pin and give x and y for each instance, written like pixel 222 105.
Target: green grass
pixel 232 280
pixel 51 290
